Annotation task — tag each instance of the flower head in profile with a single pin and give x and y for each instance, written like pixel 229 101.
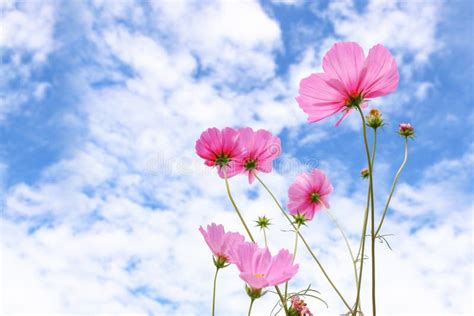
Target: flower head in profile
pixel 222 244
pixel 364 173
pixel 298 307
pixel 220 148
pixel 349 80
pixel 260 148
pixel 259 269
pixel 405 129
pixel 308 193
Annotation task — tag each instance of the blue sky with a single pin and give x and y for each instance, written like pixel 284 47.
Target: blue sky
pixel 102 193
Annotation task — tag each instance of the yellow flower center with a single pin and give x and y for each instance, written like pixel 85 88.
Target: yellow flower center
pixel 259 275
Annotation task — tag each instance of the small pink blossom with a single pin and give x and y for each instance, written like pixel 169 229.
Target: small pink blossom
pixel 260 148
pixel 405 129
pixel 308 193
pixel 220 148
pixel 299 306
pixel 259 269
pixel 222 244
pixel 349 79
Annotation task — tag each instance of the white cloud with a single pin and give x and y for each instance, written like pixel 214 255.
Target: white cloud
pixel 26 40
pixel 234 39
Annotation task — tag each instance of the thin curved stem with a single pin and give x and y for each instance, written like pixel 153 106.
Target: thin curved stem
pixel 372 206
pixel 364 228
pixel 248 231
pixel 347 244
pixel 214 293
pixel 235 206
pixel 283 301
pixel 405 159
pixel 250 307
pixel 305 243
pixel 295 248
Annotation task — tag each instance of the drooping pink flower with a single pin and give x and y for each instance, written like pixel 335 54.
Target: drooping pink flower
pixel 308 193
pixel 220 148
pixel 259 269
pixel 300 307
pixel 222 244
pixel 260 148
pixel 349 79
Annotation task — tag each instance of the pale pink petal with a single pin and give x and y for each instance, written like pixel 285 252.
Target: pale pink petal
pixel 344 62
pixel 379 75
pixel 320 99
pixel 346 113
pixel 253 281
pixel 281 268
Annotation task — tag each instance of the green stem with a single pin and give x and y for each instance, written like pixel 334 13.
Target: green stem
pixel 393 186
pixel 282 300
pixel 347 244
pixel 250 307
pixel 361 252
pixel 235 206
pixel 295 248
pixel 247 229
pixel 265 238
pixel 305 243
pixel 366 213
pixel 372 203
pixel 214 292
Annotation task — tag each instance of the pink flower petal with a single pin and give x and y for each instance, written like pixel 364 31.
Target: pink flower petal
pixel 344 62
pixel 380 75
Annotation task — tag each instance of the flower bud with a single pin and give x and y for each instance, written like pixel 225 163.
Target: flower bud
pixel 374 119
pixel 300 219
pixel 263 222
pixel 364 173
pixel 406 130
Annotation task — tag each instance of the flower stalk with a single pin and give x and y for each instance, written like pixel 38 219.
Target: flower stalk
pixel 305 243
pixel 372 217
pixel 405 159
pixel 214 292
pixel 295 248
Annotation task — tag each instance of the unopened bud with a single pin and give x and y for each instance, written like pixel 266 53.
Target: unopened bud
pixel 263 222
pixel 364 173
pixel 299 219
pixel 406 130
pixel 374 119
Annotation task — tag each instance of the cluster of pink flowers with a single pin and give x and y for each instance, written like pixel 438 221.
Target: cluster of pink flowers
pixel 236 151
pixel 349 81
pixel 258 268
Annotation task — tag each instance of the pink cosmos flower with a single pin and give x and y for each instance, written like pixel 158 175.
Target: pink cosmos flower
pixel 308 193
pixel 220 148
pixel 349 79
pixel 260 148
pixel 259 269
pixel 222 244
